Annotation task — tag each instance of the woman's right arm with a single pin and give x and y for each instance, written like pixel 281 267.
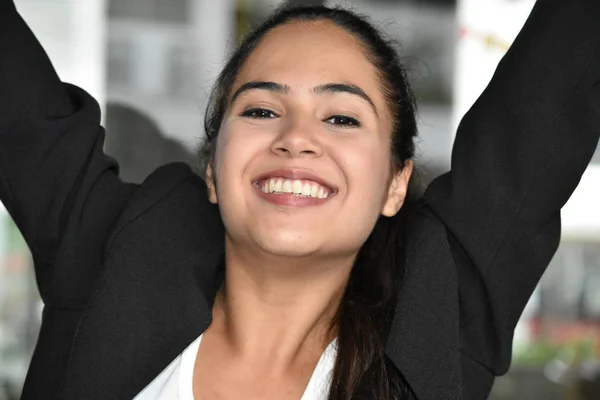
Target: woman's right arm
pixel 54 175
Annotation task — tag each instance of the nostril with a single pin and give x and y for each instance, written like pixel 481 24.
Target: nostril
pixel 309 152
pixel 281 150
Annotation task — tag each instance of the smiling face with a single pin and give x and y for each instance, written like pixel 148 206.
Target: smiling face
pixel 302 161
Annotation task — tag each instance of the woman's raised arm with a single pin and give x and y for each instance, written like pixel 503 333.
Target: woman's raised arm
pixel 518 155
pixel 54 176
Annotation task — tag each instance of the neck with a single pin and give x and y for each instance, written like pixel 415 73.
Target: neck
pixel 278 308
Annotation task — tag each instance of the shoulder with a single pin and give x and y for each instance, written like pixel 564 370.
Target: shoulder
pixel 424 227
pixel 170 187
pixel 163 182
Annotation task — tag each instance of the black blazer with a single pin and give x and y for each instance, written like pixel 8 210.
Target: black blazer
pixel 128 273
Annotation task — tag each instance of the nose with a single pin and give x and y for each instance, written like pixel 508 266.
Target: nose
pixel 297 139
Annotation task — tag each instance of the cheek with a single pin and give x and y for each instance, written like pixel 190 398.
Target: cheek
pixel 231 158
pixel 368 174
pixel 235 148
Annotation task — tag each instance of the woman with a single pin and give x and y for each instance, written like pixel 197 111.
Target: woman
pixel 339 271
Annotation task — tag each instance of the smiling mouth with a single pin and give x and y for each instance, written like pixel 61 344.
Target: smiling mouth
pixel 295 187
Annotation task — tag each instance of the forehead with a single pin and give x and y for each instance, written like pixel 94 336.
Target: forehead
pixel 308 53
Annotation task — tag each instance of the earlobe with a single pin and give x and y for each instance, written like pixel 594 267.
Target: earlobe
pixel 397 190
pixel 210 183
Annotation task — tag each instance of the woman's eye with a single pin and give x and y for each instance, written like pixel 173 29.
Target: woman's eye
pixel 259 113
pixel 343 120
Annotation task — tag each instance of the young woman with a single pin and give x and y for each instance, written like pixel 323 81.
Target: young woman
pixel 328 280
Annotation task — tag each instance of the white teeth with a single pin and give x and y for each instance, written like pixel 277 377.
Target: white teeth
pixel 321 193
pixel 306 189
pixel 295 187
pixel 287 187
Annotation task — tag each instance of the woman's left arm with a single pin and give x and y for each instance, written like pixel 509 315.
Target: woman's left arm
pixel 518 155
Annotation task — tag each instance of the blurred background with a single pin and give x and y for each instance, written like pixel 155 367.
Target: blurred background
pixel 151 64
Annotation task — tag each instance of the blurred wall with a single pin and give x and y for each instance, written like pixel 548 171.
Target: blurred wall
pixel 163 62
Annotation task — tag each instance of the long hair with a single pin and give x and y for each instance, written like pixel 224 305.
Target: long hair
pixel 363 320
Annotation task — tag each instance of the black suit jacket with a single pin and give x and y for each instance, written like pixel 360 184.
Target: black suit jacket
pixel 128 273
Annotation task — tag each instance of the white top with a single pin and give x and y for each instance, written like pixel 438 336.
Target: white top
pixel 176 381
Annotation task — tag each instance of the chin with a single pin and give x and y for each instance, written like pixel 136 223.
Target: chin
pixel 288 245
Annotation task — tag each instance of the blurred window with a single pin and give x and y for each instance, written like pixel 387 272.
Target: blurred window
pixel 569 289
pixel 119 60
pixel 19 308
pixel 174 11
pixel 596 157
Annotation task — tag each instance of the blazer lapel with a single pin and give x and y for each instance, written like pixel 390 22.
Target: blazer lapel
pixel 424 340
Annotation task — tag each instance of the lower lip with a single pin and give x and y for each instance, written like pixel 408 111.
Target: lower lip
pixel 287 199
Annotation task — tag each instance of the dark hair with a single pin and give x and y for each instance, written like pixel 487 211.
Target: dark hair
pixel 364 317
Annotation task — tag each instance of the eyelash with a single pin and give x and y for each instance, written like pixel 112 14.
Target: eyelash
pixel 350 122
pixel 251 113
pixel 263 113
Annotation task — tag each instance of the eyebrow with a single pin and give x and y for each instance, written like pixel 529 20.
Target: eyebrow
pixel 326 88
pixel 332 88
pixel 269 86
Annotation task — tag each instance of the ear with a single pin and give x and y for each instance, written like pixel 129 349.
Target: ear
pixel 397 190
pixel 210 183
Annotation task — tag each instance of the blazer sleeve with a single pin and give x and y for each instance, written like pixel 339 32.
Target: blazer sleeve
pixel 54 175
pixel 518 155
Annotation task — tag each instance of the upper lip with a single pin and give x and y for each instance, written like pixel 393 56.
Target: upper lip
pixel 296 174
